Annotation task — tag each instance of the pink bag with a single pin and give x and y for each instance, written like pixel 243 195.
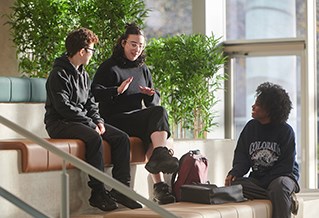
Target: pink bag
pixel 193 169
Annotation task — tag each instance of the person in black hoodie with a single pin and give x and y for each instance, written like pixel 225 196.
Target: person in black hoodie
pixel 266 147
pixel 71 113
pixel 123 87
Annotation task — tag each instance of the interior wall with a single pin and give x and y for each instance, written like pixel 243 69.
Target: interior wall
pixel 8 60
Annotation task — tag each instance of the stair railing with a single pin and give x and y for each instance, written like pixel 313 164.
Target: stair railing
pixel 21 204
pixel 83 166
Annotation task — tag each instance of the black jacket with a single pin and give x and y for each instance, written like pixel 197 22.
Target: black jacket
pixel 68 95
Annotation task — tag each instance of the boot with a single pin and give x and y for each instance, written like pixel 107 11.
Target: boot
pixel 102 200
pixel 162 194
pixel 124 200
pixel 162 160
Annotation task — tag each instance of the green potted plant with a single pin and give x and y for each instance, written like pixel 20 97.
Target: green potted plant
pixel 185 69
pixel 39 28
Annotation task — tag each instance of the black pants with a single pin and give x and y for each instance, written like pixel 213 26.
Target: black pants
pixel 120 148
pixel 142 123
pixel 278 192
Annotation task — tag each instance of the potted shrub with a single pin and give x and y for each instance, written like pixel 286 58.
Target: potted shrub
pixel 39 28
pixel 185 69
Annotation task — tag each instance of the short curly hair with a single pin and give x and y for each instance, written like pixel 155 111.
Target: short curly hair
pixel 275 101
pixel 78 39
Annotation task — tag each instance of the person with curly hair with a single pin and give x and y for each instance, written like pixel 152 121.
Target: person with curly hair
pixel 123 87
pixel 266 149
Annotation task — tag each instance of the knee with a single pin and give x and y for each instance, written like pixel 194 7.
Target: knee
pixel 123 135
pixel 281 185
pixel 94 138
pixel 160 110
pixel 118 137
pixel 126 138
pixel 93 144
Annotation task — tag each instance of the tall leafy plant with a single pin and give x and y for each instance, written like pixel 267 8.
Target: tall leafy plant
pixel 39 28
pixel 185 69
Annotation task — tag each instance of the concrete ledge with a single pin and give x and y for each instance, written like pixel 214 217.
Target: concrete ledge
pixel 28 115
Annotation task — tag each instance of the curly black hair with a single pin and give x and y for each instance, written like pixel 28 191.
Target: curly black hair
pixel 118 50
pixel 275 101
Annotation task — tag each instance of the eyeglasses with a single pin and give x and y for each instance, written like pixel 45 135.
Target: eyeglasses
pixel 90 49
pixel 135 44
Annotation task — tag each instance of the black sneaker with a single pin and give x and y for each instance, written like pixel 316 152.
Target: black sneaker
pixel 124 200
pixel 103 201
pixel 294 204
pixel 162 160
pixel 162 194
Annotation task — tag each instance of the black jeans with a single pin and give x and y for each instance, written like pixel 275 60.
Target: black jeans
pixel 142 123
pixel 120 148
pixel 278 192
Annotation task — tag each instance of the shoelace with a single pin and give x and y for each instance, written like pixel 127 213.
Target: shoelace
pixel 165 188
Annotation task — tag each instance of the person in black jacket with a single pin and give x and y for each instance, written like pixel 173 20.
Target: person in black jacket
pixel 123 87
pixel 267 148
pixel 72 113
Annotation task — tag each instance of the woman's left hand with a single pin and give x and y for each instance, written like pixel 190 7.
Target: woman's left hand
pixel 147 90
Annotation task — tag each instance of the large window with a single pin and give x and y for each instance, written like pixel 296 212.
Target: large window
pixel 250 71
pixel 258 19
pixel 267 41
pixel 264 20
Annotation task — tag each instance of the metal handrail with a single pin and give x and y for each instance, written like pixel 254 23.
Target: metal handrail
pixel 21 204
pixel 83 166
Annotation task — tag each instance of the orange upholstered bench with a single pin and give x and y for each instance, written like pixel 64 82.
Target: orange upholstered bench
pixel 35 158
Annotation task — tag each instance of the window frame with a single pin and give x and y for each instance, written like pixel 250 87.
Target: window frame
pixel 203 22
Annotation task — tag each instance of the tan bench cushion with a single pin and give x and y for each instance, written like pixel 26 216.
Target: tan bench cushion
pixel 247 209
pixel 137 153
pixel 35 158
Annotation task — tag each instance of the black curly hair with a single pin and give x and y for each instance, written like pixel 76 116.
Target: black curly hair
pixel 118 50
pixel 275 101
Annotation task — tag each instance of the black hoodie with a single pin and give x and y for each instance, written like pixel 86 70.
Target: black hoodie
pixel 69 96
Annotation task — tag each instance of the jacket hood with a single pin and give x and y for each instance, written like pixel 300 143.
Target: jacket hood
pixel 64 63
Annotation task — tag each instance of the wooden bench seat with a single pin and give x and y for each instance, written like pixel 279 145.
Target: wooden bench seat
pixel 35 158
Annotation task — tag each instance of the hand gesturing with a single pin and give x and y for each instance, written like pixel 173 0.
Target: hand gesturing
pixel 124 86
pixel 147 91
